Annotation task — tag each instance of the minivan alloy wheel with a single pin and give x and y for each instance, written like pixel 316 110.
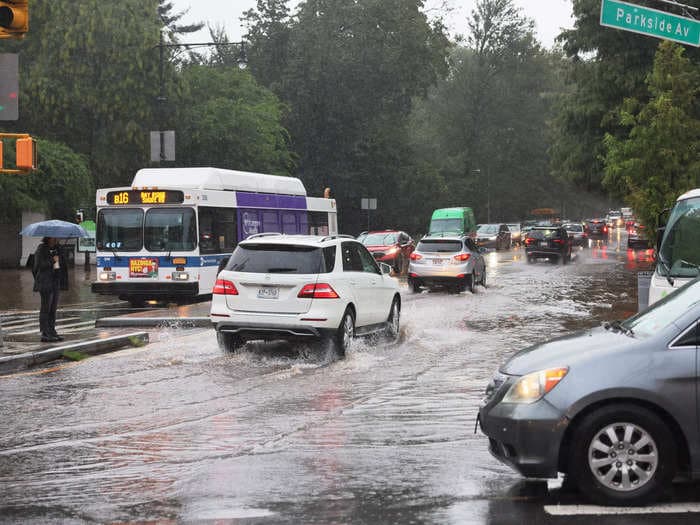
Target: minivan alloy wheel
pixel 623 456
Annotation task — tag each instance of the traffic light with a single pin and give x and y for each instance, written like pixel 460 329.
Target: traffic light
pixel 14 18
pixel 9 86
pixel 26 154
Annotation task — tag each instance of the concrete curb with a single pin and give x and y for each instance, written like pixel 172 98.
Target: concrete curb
pixel 17 362
pixel 153 322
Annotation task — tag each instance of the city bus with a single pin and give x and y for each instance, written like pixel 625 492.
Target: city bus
pixel 678 257
pixel 166 236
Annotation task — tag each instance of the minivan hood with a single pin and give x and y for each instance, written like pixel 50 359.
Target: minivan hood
pixel 568 350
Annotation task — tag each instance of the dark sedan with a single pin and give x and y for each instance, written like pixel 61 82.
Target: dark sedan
pixel 636 236
pixel 615 408
pixel 597 228
pixel 550 242
pixel 496 236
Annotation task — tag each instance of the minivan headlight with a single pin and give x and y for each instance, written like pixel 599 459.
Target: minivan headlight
pixel 532 387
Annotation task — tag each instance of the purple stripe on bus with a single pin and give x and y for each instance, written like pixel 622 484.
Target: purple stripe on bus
pixel 268 200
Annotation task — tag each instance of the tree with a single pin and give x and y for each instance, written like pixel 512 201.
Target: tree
pixel 226 120
pixel 660 157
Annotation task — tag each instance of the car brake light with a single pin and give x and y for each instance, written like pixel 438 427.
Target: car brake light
pixel 529 240
pixel 605 229
pixel 415 256
pixel 462 257
pixel 558 241
pixel 318 291
pixel 224 287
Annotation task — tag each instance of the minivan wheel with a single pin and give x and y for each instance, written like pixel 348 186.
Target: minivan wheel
pixel 393 322
pixel 229 342
pixel 623 455
pixel 345 333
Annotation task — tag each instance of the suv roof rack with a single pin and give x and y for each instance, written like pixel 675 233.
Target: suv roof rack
pixel 341 236
pixel 264 234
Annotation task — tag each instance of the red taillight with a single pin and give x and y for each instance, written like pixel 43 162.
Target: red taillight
pixel 415 256
pixel 558 241
pixel 413 275
pixel 224 287
pixel 462 257
pixel 605 229
pixel 318 291
pixel 529 240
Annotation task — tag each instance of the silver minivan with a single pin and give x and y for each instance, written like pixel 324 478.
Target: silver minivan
pixel 614 408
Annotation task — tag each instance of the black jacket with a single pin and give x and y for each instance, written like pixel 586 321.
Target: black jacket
pixel 45 278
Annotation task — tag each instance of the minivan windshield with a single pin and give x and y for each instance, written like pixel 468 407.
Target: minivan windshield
pixel 664 312
pixel 446 225
pixel 680 248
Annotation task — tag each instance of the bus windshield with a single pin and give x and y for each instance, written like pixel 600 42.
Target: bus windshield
pixel 680 248
pixel 168 229
pixel 120 230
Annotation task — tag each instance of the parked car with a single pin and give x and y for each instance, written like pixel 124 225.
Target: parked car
pixel 614 408
pixel 577 232
pixel 597 228
pixel 636 237
pixel 493 236
pixel 549 242
pixel 515 233
pixel 455 263
pixel 303 287
pixel 389 246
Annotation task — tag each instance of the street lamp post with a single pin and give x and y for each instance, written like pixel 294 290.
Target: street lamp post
pixel 488 192
pixel 162 98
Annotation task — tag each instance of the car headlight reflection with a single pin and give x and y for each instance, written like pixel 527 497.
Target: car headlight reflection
pixel 532 387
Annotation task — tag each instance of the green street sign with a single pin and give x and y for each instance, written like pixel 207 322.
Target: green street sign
pixel 651 22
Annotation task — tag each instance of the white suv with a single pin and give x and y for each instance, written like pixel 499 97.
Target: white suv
pixel 303 287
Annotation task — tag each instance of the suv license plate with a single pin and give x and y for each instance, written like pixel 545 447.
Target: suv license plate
pixel 439 261
pixel 268 293
pixel 543 244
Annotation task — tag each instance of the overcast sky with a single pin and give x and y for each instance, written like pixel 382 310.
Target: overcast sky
pixel 549 15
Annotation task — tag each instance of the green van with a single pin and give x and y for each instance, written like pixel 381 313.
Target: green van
pixel 452 221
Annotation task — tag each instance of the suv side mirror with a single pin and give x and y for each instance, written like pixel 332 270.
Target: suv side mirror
pixel 385 268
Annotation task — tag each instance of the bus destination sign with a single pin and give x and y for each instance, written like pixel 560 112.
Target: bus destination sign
pixel 145 197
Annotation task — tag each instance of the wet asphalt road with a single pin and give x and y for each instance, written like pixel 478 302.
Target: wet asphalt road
pixel 180 432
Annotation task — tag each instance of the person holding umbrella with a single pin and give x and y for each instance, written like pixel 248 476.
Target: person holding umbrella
pixel 50 269
pixel 50 276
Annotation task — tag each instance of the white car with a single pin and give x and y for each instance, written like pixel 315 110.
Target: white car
pixel 303 287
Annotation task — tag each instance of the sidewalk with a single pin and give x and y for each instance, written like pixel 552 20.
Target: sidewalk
pixel 17 355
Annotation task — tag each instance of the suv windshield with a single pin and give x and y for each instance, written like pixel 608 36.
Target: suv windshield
pixel 281 258
pixel 664 312
pixel 379 239
pixel 439 246
pixel 170 229
pixel 680 249
pixel 488 229
pixel 120 230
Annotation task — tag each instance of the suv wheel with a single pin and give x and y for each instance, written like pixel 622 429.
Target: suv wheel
pixel 623 455
pixel 469 283
pixel 483 278
pixel 345 333
pixel 229 342
pixel 393 321
pixel 414 286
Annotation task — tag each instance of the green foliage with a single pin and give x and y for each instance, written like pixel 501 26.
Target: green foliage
pixel 660 157
pixel 226 120
pixel 61 184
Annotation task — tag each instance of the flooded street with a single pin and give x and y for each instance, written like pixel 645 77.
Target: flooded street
pixel 179 431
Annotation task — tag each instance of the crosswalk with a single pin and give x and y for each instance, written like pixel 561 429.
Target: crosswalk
pixel 23 325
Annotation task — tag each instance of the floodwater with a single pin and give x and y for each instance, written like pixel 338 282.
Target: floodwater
pixel 180 432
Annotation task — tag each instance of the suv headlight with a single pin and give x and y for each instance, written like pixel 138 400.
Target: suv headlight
pixel 532 387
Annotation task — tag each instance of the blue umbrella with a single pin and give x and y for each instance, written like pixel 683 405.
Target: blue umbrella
pixel 54 228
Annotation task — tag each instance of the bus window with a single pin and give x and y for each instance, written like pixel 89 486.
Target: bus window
pixel 168 229
pixel 217 230
pixel 289 223
pixel 271 222
pixel 120 230
pixel 318 223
